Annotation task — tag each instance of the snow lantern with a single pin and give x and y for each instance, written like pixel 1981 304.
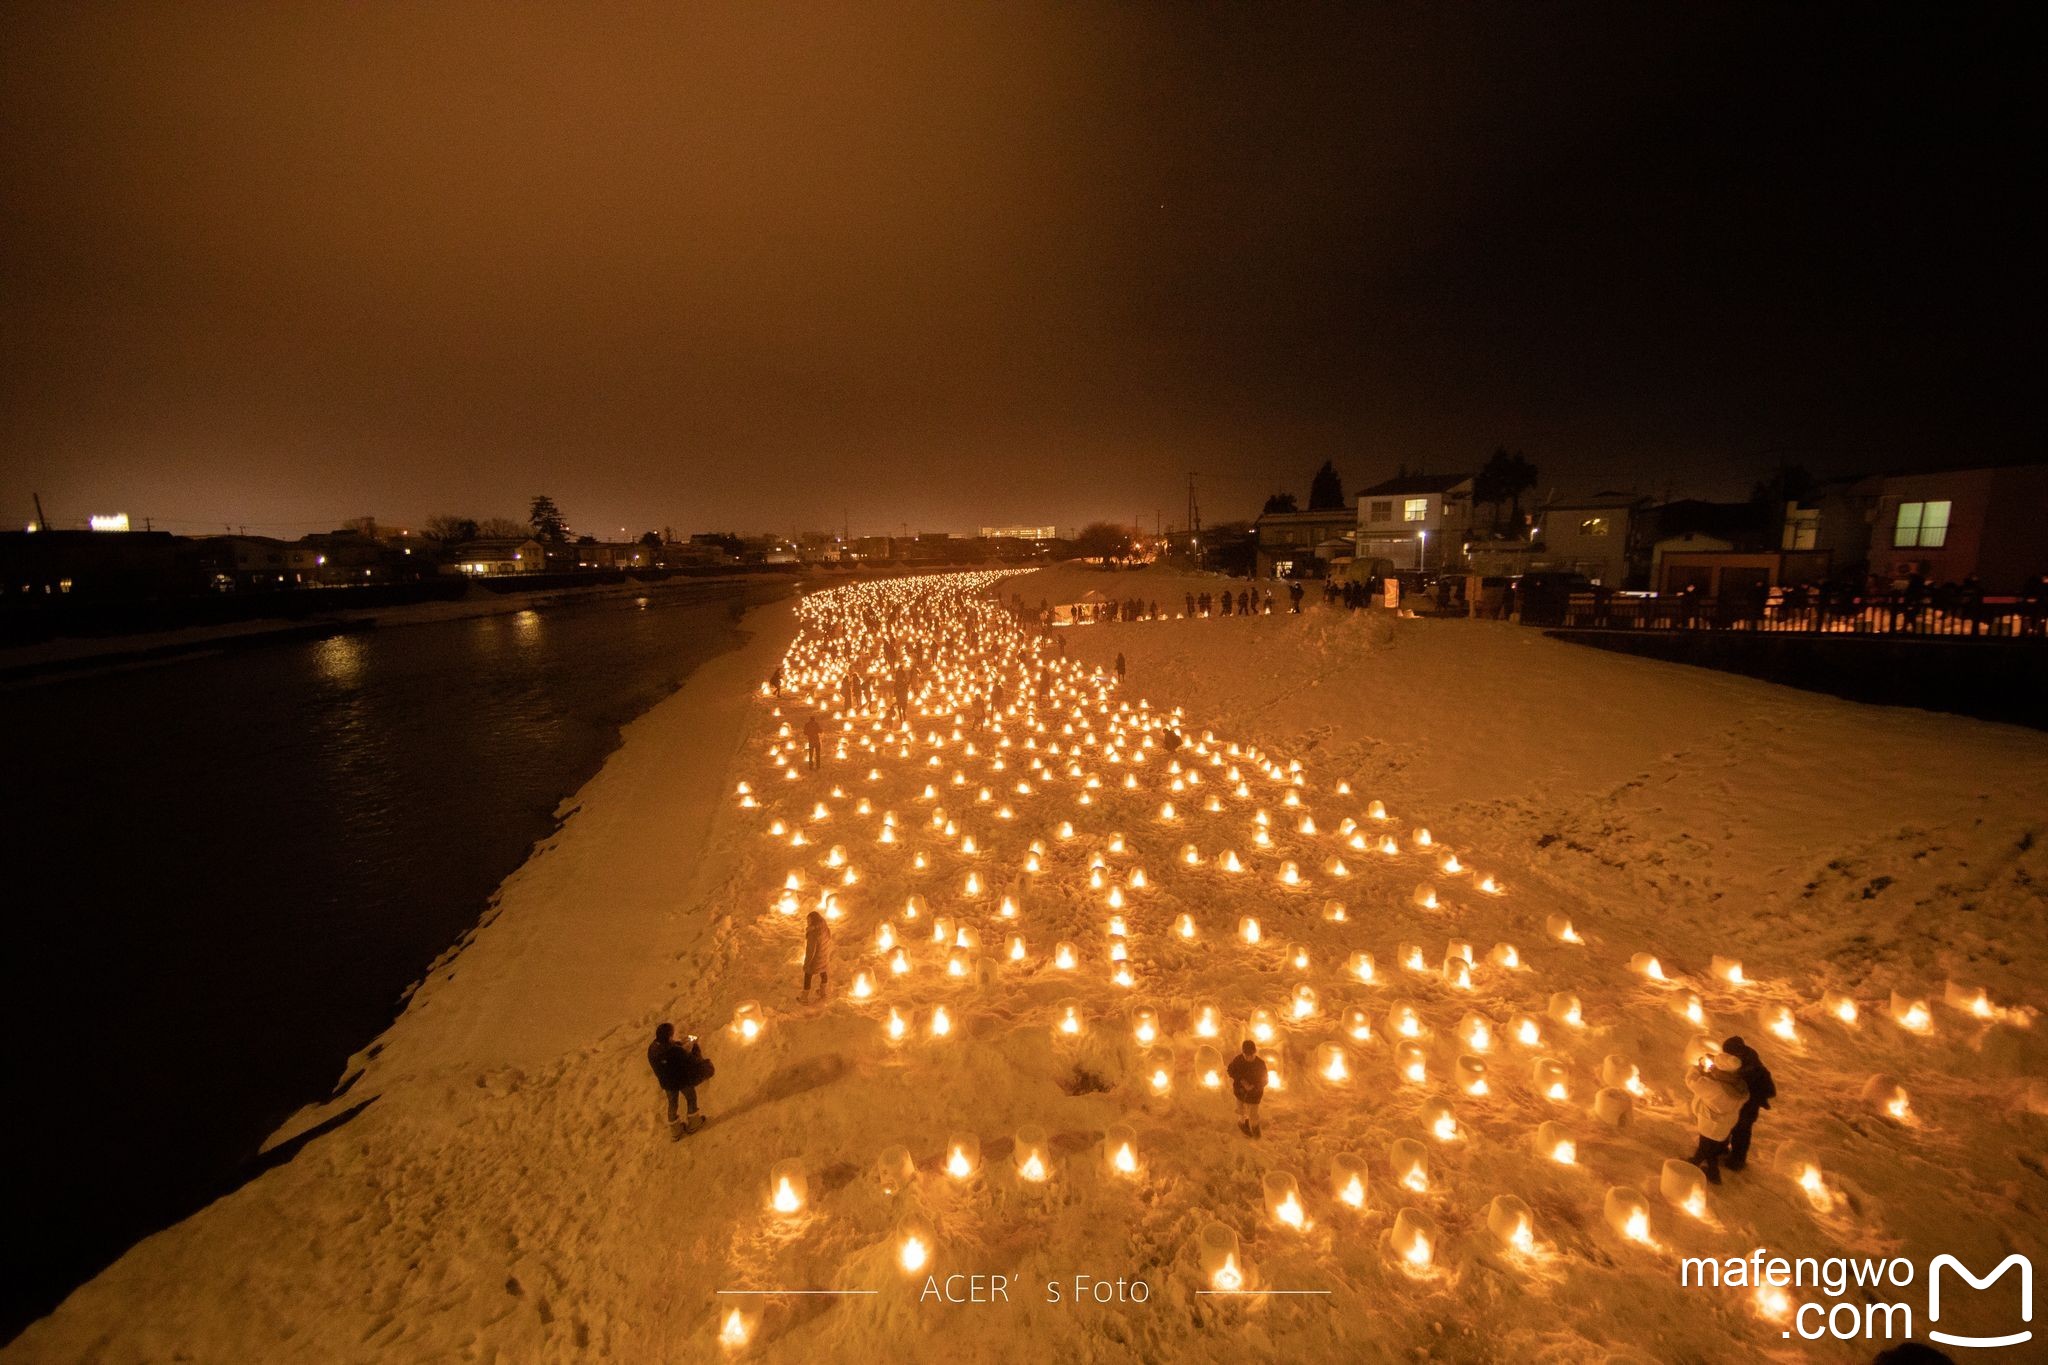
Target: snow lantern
pixel 1414 1238
pixel 1159 1070
pixel 942 1022
pixel 1409 955
pixel 1063 956
pixel 1208 1019
pixel 1221 1261
pixel 1290 875
pixel 1209 1067
pixel 736 1328
pixel 942 929
pixel 1409 1162
pixel 1333 911
pixel 1067 1019
pixel 895 1029
pixel 1375 810
pixel 1332 1065
pixel 1476 1031
pixel 1248 929
pixel 1550 1079
pixel 1297 956
pixel 747 1020
pixel 1145 1024
pixel 787 1189
pixel 1912 1014
pixel 1646 964
pixel 1230 863
pixel 1425 896
pixel 1489 884
pixel 1728 970
pixel 1614 1106
pixel 1509 1220
pixel 1628 1213
pixel 1555 1142
pixel 959 963
pixel 1840 1005
pixel 899 963
pixel 1185 926
pixel 1348 1179
pixel 1686 1005
pixel 1523 1031
pixel 1884 1094
pixel 1403 1021
pixel 1471 1074
pixel 1120 1150
pixel 1779 1022
pixel 885 937
pixel 914 907
pixel 1507 955
pixel 1440 1121
pixel 1190 855
pixel 1303 1004
pixel 863 985
pixel 1283 1200
pixel 1459 948
pixel 895 1169
pixel 913 1249
pixel 1564 1008
pixel 1623 1074
pixel 1451 865
pixel 1032 1154
pixel 1358 1024
pixel 1802 1165
pixel 1412 1062
pixel 1422 839
pixel 1016 950
pixel 1685 1185
pixel 1560 928
pixel 1260 1025
pixel 1360 965
pixel 1700 1049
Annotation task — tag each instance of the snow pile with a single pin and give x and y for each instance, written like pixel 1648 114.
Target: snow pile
pixel 1428 866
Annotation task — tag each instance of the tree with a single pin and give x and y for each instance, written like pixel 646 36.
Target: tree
pixel 652 540
pixel 1788 483
pixel 1105 541
pixel 1326 490
pixel 366 527
pixel 1280 502
pixel 547 520
pixel 452 530
pixel 502 528
pixel 1501 481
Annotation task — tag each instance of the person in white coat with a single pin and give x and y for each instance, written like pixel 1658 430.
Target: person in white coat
pixel 1718 1095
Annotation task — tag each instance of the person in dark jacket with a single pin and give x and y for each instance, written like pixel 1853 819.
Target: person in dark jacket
pixel 817 952
pixel 814 743
pixel 679 1067
pixel 1248 1083
pixel 1756 1077
pixel 1119 665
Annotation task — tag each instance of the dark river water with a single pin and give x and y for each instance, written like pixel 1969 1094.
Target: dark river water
pixel 223 871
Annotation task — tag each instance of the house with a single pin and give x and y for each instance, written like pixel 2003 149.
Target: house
pixel 1416 521
pixel 44 568
pixel 1303 544
pixel 489 558
pixel 615 554
pixel 1596 536
pixel 1946 527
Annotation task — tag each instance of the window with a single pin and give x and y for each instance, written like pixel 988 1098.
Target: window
pixel 1383 511
pixel 1593 526
pixel 1921 524
pixel 1415 509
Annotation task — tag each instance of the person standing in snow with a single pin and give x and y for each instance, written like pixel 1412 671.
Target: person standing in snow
pixel 817 952
pixel 679 1068
pixel 814 744
pixel 775 680
pixel 1248 1083
pixel 1756 1078
pixel 1717 1098
pixel 1119 665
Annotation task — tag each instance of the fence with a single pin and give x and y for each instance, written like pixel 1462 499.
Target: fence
pixel 1797 613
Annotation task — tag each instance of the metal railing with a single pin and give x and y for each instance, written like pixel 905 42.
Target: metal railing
pixel 1811 612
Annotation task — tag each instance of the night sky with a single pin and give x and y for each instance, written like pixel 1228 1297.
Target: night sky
pixel 730 265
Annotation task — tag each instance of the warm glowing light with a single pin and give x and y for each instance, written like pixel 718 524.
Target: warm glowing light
pixel 913 1253
pixel 787 1200
pixel 734 1334
pixel 1248 929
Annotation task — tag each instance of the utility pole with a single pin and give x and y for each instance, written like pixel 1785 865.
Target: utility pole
pixel 1194 508
pixel 42 522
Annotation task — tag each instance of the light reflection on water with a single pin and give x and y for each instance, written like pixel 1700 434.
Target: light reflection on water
pixel 230 867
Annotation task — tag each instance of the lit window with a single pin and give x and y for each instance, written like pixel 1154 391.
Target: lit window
pixel 1593 526
pixel 1921 524
pixel 1415 509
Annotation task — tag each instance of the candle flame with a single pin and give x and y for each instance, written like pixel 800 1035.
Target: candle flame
pixel 786 1198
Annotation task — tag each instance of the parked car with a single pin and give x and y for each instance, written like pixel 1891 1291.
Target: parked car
pixel 1540 598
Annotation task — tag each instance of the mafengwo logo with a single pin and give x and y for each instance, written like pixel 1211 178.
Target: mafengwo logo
pixel 2026 1269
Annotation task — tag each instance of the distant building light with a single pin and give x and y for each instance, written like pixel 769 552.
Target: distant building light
pixel 115 521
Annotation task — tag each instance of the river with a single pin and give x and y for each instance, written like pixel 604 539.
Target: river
pixel 223 871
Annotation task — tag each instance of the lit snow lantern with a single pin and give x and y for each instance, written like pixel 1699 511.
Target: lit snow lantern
pixel 1375 810
pixel 1303 1005
pixel 1451 865
pixel 1551 1080
pixel 1032 1154
pixel 1414 1238
pixel 1357 1024
pixel 1471 1074
pixel 1646 964
pixel 1555 1142
pixel 1510 1221
pixel 1120 1150
pixel 1564 1008
pixel 1422 839
pixel 1411 957
pixel 1506 955
pixel 1840 1005
pixel 1248 929
pixel 1230 862
pixel 787 1188
pixel 1190 855
pixel 1887 1096
pixel 1686 1005
pixel 1700 1049
pixel 942 929
pixel 1016 948
pixel 942 1023
pixel 1297 956
pixel 1442 1124
pixel 1403 1020
pixel 736 1328
pixel 1780 1022
pixel 1361 966
pixel 863 985
pixel 1476 1030
pixel 1208 1020
pixel 1283 1201
pixel 1260 1025
pixel 899 963
pixel 1685 1185
pixel 1221 1261
pixel 1524 1031
pixel 1063 956
pixel 1348 1179
pixel 1628 1213
pixel 1412 1062
pixel 1290 875
pixel 1209 1067
pixel 1614 1106
pixel 913 1250
pixel 963 1156
pixel 1331 1064
pixel 747 1021
pixel 1458 973
pixel 1800 1163
pixel 1333 911
pixel 1727 969
pixel 1560 928
pixel 1145 1024
pixel 1425 896
pixel 1912 1014
pixel 1067 1018
pixel 895 1169
pixel 1489 884
pixel 896 1028
pixel 913 907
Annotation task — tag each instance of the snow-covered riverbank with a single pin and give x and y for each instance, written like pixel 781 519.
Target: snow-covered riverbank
pixel 510 1190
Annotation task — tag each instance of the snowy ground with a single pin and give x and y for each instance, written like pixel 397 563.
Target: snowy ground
pixel 511 1191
